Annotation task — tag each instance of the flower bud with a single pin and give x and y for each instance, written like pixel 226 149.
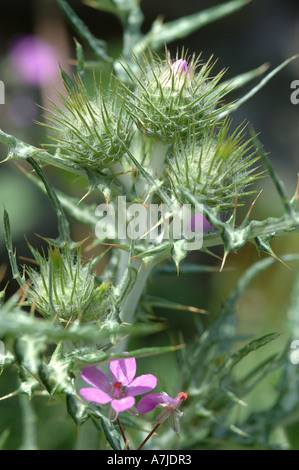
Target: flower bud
pixel 64 288
pixel 91 132
pixel 173 97
pixel 180 67
pixel 215 169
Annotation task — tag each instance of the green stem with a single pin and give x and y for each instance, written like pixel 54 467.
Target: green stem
pixel 279 226
pixel 128 306
pixel 29 428
pixel 21 150
pixel 132 298
pixel 131 293
pixel 157 162
pixel 123 177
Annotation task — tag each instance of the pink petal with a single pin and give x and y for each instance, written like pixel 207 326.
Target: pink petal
pixel 95 377
pixel 180 66
pixel 149 402
pixel 95 395
pixel 123 370
pixel 199 223
pixel 123 404
pixel 142 384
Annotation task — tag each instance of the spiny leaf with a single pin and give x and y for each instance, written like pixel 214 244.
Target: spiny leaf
pixel 94 356
pixel 258 87
pixel 97 46
pixel 152 301
pixel 12 257
pixel 248 348
pixel 26 324
pixel 76 409
pixel 111 434
pixel 161 34
pixel 185 268
pixel 280 187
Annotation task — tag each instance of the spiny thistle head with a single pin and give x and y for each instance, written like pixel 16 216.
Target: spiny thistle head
pixel 171 95
pixel 64 288
pixel 216 168
pixel 90 131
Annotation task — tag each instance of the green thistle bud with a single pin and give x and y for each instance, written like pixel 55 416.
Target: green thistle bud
pixel 172 95
pixel 64 288
pixel 90 131
pixel 216 168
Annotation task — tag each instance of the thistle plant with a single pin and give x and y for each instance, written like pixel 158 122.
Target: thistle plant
pixel 158 139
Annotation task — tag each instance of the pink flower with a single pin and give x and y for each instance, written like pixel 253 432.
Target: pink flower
pixel 34 60
pixel 180 66
pixel 168 405
pixel 199 222
pixel 121 390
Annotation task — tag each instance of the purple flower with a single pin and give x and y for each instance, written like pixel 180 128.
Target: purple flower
pixel 122 388
pixel 168 405
pixel 199 222
pixel 180 66
pixel 34 60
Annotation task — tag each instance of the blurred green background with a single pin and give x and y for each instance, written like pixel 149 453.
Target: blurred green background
pixel 263 31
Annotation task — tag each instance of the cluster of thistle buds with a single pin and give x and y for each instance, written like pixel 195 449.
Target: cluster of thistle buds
pixel 176 109
pixel 120 390
pixel 170 121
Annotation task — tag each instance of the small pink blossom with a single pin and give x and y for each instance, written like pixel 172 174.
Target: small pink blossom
pixel 198 223
pixel 180 66
pixel 120 390
pixel 168 405
pixel 34 60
